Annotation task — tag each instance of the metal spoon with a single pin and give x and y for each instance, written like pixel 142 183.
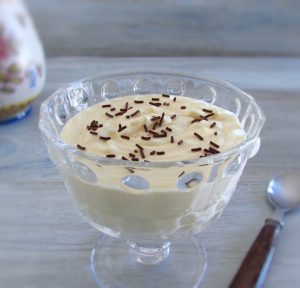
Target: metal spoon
pixel 284 194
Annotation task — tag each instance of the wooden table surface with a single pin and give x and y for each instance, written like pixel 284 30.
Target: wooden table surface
pixel 44 242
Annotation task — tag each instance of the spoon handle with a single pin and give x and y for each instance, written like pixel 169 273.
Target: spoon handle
pixel 254 268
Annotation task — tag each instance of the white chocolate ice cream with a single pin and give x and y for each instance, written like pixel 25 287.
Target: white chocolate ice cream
pixel 154 128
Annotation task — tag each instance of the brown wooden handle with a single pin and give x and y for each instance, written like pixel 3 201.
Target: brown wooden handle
pixel 258 257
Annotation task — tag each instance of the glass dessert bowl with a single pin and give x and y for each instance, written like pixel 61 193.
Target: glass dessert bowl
pixel 148 210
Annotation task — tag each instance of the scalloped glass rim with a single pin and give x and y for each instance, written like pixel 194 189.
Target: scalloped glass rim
pixel 110 161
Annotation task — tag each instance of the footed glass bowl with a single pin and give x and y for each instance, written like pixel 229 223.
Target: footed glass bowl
pixel 142 221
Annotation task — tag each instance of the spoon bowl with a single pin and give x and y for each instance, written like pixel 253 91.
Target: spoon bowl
pixel 284 190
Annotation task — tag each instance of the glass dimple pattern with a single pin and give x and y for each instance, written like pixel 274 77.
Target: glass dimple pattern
pixel 97 91
pixel 110 90
pixel 135 182
pixel 207 93
pixel 175 87
pixel 143 86
pixel 84 172
pixel 78 98
pixel 189 180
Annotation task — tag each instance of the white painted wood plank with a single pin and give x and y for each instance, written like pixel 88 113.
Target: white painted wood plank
pixel 168 28
pixel 248 73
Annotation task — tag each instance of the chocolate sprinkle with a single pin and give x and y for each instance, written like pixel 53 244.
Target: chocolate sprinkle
pixel 154 126
pixel 196 149
pixel 125 110
pixel 196 120
pixel 213 151
pixel 172 139
pixel 181 174
pixel 146 138
pixel 135 159
pixel 104 138
pixel 213 125
pixel 124 158
pixel 80 147
pixel 173 116
pixel 121 128
pixel 138 101
pixel 93 133
pixel 94 125
pixel 160 152
pixel 169 129
pixel 153 133
pixel 209 115
pixel 216 133
pixel 110 155
pixel 131 155
pixel 152 152
pixel 139 146
pixel 88 127
pixel 154 118
pixel 127 117
pixel 141 150
pixel 161 119
pixel 119 113
pixel 180 142
pixel 182 107
pixel 160 135
pixel 198 136
pixel 113 109
pixel 214 144
pixel 155 99
pixel 165 95
pixel 145 128
pixel 207 111
pixel 199 119
pixel 125 137
pixel 174 100
pixel 106 105
pixel 109 115
pixel 155 104
pixel 135 113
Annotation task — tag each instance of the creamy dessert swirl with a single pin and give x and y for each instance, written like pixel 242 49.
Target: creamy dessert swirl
pixel 153 128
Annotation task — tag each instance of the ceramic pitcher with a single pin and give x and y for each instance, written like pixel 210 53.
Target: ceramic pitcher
pixel 22 62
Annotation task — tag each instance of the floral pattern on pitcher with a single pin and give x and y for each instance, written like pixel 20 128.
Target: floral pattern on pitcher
pixel 10 77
